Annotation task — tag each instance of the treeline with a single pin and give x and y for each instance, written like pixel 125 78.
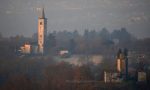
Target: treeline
pixel 46 74
pixel 43 73
pixel 91 41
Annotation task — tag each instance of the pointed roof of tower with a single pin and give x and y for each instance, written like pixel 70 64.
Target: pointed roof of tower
pixel 43 13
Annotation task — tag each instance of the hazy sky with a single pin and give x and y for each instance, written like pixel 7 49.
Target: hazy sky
pixel 20 16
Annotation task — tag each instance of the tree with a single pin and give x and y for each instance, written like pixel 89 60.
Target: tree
pixel 82 75
pixel 50 42
pixel 104 34
pixel 123 36
pixel 1 36
pixel 75 34
pixel 72 45
pixel 86 34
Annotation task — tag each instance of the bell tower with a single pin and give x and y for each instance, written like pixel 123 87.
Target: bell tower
pixel 42 31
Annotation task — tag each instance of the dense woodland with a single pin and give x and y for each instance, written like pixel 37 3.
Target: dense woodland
pixel 44 73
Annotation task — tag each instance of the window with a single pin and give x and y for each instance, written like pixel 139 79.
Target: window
pixel 40 36
pixel 40 23
pixel 40 41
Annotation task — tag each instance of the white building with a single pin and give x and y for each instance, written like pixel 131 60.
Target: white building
pixel 64 53
pixel 25 49
pixel 112 77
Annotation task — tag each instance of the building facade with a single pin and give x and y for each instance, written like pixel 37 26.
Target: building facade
pixel 25 49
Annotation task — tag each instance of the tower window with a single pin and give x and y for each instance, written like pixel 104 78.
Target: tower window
pixel 40 23
pixel 40 36
pixel 40 41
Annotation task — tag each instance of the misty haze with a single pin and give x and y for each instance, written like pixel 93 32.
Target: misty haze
pixel 74 45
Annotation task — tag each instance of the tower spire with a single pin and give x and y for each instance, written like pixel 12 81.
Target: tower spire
pixel 43 13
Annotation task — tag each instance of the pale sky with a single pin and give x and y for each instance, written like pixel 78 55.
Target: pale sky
pixel 20 16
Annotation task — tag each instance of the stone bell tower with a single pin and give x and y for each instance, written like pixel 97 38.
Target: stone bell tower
pixel 42 31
